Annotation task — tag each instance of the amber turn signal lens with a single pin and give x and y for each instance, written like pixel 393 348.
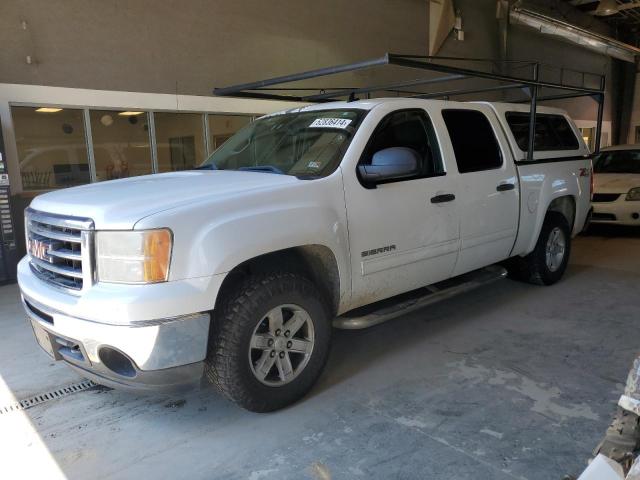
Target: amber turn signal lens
pixel 157 253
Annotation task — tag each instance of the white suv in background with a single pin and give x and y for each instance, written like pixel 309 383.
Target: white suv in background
pixel 616 198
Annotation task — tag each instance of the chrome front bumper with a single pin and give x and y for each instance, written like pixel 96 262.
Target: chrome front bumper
pixel 160 355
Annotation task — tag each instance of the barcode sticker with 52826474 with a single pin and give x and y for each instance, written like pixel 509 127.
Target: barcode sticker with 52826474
pixel 330 123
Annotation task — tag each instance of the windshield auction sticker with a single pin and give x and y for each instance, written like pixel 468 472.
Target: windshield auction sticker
pixel 330 123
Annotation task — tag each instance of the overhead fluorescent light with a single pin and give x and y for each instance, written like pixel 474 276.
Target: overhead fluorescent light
pixel 574 34
pixel 606 8
pixel 48 109
pixel 130 113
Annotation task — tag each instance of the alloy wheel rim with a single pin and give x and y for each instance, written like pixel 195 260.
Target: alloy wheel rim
pixel 281 345
pixel 555 249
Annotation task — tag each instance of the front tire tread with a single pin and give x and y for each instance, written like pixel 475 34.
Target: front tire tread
pixel 236 316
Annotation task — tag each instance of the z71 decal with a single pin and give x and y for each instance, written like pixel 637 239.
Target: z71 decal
pixel 376 251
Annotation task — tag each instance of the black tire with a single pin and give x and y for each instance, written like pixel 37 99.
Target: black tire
pixel 533 268
pixel 228 365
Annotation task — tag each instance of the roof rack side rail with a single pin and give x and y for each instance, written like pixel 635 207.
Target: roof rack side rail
pixel 274 89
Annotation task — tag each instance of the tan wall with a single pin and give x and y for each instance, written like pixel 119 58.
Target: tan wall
pixel 190 46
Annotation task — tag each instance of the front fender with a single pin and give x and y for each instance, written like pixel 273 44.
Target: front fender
pixel 222 246
pixel 214 237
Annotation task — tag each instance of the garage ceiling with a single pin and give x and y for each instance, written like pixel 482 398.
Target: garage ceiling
pixel 622 14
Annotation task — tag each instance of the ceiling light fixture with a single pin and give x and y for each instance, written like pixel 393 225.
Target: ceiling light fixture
pixel 48 110
pixel 130 113
pixel 606 8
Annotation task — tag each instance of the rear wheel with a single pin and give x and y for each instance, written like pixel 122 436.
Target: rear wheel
pixel 269 342
pixel 548 261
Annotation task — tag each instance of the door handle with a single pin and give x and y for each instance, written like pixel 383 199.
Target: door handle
pixel 445 197
pixel 504 187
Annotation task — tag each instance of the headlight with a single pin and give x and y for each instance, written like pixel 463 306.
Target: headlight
pixel 634 194
pixel 134 256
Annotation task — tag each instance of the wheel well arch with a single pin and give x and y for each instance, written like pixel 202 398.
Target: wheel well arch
pixel 565 205
pixel 316 262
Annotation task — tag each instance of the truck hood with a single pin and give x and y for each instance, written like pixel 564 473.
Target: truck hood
pixel 119 204
pixel 615 182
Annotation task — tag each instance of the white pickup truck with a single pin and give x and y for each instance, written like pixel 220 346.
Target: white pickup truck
pixel 235 271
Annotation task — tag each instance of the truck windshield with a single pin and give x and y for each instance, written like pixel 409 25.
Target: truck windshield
pixel 304 144
pixel 617 161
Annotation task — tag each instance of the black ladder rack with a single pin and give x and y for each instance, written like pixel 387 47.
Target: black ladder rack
pixel 272 89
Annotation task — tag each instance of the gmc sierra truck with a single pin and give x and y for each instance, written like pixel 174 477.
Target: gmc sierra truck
pixel 341 214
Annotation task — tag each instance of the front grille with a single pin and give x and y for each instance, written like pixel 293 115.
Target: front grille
pixel 59 249
pixel 605 197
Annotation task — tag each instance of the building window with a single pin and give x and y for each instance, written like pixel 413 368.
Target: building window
pixel 221 127
pixel 52 150
pixel 121 146
pixel 52 143
pixel 180 140
pixel 589 136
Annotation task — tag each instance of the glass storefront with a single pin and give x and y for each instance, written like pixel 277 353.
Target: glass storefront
pixel 53 144
pixel 121 144
pixel 52 148
pixel 221 127
pixel 180 140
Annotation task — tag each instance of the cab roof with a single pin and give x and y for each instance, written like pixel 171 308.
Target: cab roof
pixel 403 102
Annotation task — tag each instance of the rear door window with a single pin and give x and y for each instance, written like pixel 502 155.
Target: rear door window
pixel 553 132
pixel 474 142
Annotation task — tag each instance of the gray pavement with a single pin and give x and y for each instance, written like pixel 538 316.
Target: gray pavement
pixel 509 381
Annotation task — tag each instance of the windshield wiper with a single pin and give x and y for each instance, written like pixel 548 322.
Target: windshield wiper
pixel 208 166
pixel 262 168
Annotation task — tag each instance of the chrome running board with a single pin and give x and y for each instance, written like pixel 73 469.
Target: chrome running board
pixel 379 312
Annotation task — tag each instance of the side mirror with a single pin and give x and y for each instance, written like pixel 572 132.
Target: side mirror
pixel 390 164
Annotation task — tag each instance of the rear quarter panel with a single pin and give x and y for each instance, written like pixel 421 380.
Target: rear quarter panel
pixel 540 185
pixel 552 174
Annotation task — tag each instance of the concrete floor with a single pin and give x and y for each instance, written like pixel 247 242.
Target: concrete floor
pixel 510 381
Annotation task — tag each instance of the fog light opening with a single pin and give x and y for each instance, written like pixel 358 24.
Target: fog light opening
pixel 635 215
pixel 117 362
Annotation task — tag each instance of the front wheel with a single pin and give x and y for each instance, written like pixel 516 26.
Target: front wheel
pixel 548 261
pixel 269 341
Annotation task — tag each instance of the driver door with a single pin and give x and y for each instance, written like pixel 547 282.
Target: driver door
pixel 403 234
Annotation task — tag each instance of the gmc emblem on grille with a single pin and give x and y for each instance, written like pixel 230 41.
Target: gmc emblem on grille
pixel 39 249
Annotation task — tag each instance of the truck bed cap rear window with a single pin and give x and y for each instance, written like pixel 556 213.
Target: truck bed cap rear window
pixel 553 132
